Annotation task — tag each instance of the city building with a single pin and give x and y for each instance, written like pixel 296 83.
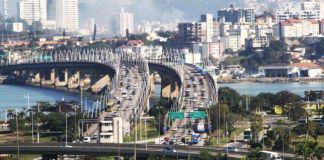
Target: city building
pixel 209 49
pixel 67 16
pixel 32 10
pixel 5 9
pixel 188 34
pixel 51 10
pixel 309 9
pixel 209 26
pixel 257 43
pixel 236 15
pixel 126 22
pixel 111 130
pixel 15 27
pixel 293 70
pixel 297 28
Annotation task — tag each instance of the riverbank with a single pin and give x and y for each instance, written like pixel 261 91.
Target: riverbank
pixel 270 80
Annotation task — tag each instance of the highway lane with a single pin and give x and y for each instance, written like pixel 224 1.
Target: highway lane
pixel 196 95
pixel 129 80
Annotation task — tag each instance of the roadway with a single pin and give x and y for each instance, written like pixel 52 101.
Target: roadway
pixel 129 80
pixel 195 97
pixel 114 149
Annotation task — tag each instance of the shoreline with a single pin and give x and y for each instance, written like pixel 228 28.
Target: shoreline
pixel 269 80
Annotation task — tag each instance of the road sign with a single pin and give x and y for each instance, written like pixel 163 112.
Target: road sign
pixel 198 114
pixel 176 115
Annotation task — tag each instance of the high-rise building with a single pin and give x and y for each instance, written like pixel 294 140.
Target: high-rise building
pixel 4 9
pixel 51 10
pixel 236 15
pixel 208 19
pixel 32 10
pixel 67 16
pixel 126 22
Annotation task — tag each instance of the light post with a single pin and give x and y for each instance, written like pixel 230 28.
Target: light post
pixel 32 115
pixel 17 134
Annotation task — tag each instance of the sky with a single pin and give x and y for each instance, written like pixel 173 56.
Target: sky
pixel 158 10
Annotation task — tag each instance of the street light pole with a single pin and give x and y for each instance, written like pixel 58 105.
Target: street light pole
pixel 17 127
pixel 66 129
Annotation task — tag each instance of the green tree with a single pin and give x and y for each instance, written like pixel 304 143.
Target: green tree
pixel 205 155
pixel 319 48
pixel 286 97
pixel 230 97
pixel 296 112
pixel 309 149
pixel 255 155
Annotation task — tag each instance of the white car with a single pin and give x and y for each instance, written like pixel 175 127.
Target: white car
pixel 174 128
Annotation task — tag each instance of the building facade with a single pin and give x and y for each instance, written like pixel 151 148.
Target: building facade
pixel 297 28
pixel 111 130
pixel 309 9
pixel 32 10
pixel 126 22
pixel 236 15
pixel 67 16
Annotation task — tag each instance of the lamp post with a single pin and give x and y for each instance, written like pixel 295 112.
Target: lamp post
pixel 32 115
pixel 17 134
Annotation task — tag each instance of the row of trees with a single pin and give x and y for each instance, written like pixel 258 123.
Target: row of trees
pixel 51 118
pixel 243 104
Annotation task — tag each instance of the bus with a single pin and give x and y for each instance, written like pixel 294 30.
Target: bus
pixel 200 127
pixel 110 105
pixel 247 135
pixel 195 137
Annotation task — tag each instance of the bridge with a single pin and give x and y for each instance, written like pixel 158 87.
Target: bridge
pixel 70 69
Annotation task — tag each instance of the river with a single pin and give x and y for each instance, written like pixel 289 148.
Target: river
pixel 12 96
pixel 251 88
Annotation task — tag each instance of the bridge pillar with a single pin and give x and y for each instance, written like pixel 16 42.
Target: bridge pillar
pixel 166 88
pixel 174 89
pixel 62 78
pixel 53 75
pixel 100 84
pixel 46 77
pixel 74 80
pixel 37 78
pixel 152 83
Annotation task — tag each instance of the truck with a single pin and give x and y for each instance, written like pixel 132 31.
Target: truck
pixel 200 127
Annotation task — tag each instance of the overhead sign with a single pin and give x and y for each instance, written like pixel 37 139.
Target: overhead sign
pixel 176 115
pixel 197 115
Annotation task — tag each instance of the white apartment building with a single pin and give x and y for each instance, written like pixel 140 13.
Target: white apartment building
pixel 32 10
pixel 209 49
pixel 232 42
pixel 309 9
pixel 67 16
pixel 257 42
pixel 126 22
pixel 209 26
pixel 111 130
pixel 297 28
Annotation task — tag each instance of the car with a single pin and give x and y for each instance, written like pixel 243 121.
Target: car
pixel 231 149
pixel 169 149
pixel 85 139
pixel 130 97
pixel 181 144
pixel 196 109
pixel 175 128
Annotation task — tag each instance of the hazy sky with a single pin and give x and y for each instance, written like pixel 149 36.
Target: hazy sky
pixel 105 12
